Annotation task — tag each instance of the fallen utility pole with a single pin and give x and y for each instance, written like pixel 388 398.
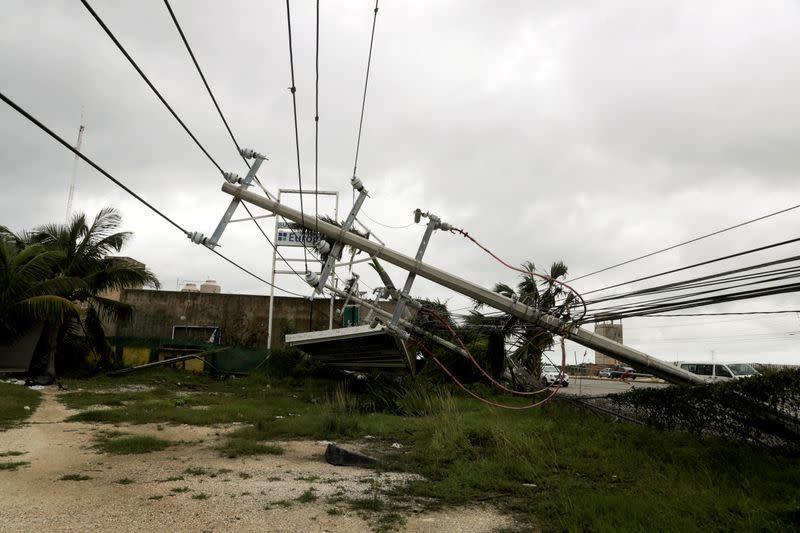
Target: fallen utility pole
pixel 387 317
pixel 579 335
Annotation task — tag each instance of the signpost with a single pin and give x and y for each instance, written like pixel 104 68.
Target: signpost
pixel 290 235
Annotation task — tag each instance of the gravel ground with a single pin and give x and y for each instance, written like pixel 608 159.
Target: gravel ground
pixel 243 494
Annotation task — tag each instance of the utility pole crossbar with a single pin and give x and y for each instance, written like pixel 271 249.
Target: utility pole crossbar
pixel 579 335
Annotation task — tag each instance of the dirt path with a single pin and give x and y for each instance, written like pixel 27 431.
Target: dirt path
pixel 244 494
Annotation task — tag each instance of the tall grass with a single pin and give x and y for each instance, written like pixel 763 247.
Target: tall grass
pixel 423 398
pixel 340 414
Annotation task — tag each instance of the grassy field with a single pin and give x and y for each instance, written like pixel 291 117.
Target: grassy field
pixel 558 468
pixel 13 402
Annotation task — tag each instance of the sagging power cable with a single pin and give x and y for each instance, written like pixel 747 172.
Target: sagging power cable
pixel 709 280
pixel 699 302
pixel 366 85
pixel 316 125
pixel 669 300
pixel 293 90
pixel 463 233
pixel 149 83
pixel 672 247
pixel 205 82
pixel 695 265
pixel 739 313
pixel 125 188
pixel 230 132
pixel 475 362
pixel 461 386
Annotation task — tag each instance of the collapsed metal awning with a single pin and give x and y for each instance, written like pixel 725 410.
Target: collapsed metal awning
pixel 360 348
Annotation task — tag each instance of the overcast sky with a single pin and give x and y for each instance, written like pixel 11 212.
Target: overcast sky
pixel 590 132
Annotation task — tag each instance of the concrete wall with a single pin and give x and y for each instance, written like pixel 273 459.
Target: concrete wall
pixel 243 318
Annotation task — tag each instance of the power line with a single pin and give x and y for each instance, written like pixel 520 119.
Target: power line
pixel 293 90
pixel 702 263
pixel 121 185
pixel 712 279
pixel 366 84
pixel 727 314
pixel 672 299
pixel 149 83
pixel 205 82
pixel 682 297
pixel 723 230
pixel 227 127
pixel 699 302
pixel 387 225
pixel 316 124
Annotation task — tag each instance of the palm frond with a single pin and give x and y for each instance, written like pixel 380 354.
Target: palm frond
pixel 115 273
pixel 505 290
pixel 46 307
pixel 108 309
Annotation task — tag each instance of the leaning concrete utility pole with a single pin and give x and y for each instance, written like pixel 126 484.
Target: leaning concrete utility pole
pixel 584 337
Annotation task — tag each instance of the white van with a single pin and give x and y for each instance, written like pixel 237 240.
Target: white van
pixel 720 371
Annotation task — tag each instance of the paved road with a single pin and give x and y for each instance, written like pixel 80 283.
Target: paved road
pixel 596 387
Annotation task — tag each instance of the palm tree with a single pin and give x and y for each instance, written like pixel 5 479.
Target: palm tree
pixel 84 250
pixel 528 341
pixel 28 290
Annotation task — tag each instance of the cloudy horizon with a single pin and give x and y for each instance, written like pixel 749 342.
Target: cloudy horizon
pixel 549 131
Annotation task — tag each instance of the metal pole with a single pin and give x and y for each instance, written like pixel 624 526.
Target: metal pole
pixel 226 217
pixel 405 294
pixel 74 170
pixel 333 270
pixel 476 292
pixel 403 322
pixel 272 281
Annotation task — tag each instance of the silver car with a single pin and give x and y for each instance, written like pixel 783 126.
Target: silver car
pixel 551 376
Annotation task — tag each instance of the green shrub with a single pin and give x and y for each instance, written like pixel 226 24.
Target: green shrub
pixel 131 445
pixel 238 446
pixel 762 409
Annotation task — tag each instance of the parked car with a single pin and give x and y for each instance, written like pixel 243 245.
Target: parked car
pixel 720 371
pixel 605 373
pixel 621 371
pixel 551 375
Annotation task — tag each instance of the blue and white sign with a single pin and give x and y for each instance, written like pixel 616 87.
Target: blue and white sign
pixel 293 235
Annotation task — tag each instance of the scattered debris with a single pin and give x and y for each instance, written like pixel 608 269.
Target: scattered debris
pixel 338 456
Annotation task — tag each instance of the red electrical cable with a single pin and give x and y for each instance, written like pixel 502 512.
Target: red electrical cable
pixel 528 272
pixel 490 402
pixel 477 365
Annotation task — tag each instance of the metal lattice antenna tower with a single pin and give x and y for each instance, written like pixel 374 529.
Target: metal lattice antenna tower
pixel 74 169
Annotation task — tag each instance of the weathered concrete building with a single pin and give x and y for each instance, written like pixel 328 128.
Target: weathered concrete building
pixel 241 319
pixel 165 323
pixel 609 330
